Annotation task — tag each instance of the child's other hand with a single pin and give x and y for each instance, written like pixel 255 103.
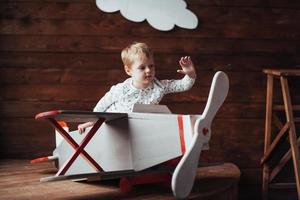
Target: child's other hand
pixel 187 67
pixel 82 127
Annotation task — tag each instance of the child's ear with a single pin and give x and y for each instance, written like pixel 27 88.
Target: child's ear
pixel 127 70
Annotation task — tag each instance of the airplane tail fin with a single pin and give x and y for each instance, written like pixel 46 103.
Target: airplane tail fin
pixel 185 172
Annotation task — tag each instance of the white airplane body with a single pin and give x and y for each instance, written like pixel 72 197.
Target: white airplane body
pixel 137 142
pixel 134 142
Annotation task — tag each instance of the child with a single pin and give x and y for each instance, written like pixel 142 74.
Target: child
pixel 142 87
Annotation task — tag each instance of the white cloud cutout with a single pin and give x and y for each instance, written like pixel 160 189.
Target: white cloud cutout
pixel 162 15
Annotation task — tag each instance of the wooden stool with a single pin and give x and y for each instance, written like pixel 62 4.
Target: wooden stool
pixel 289 127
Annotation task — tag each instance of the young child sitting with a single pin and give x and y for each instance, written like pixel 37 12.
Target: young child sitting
pixel 142 87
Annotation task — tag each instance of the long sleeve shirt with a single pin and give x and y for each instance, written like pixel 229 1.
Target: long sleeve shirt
pixel 122 96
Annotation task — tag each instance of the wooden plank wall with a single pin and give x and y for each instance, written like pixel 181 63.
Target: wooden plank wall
pixel 64 54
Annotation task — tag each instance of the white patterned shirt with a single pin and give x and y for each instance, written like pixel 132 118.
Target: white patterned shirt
pixel 122 96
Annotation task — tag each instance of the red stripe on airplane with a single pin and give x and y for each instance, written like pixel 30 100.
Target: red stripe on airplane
pixel 181 133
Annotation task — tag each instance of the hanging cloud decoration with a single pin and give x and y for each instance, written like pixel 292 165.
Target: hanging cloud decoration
pixel 162 15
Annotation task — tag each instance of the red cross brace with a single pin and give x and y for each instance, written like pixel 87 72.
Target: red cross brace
pixel 79 148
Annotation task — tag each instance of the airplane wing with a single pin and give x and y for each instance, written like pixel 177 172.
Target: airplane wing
pixel 109 175
pixel 80 116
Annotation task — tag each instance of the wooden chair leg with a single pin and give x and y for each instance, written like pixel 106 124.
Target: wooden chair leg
pixel 265 182
pixel 269 106
pixel 292 131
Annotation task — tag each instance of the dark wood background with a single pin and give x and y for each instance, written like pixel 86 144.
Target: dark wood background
pixel 65 54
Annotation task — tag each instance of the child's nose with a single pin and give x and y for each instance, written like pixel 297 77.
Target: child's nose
pixel 148 69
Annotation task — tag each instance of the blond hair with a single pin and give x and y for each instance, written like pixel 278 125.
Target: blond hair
pixel 134 51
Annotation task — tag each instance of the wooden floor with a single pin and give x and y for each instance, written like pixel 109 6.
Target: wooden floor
pixel 20 180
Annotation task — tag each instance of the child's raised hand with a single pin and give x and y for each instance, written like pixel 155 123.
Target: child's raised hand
pixel 187 67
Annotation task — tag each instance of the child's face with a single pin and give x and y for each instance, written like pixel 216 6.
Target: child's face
pixel 142 72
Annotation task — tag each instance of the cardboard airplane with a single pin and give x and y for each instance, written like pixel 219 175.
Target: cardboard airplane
pixel 124 144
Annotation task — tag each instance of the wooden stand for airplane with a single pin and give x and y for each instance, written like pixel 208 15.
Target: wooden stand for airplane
pixel 287 129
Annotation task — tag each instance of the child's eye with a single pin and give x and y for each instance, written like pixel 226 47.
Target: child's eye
pixel 141 67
